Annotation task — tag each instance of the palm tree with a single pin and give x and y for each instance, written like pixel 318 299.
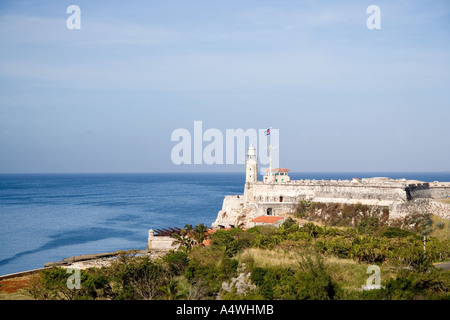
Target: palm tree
pixel 188 228
pixel 357 252
pixel 170 289
pixel 183 239
pixel 200 233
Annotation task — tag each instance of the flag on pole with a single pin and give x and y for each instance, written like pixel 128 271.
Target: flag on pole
pixel 267 132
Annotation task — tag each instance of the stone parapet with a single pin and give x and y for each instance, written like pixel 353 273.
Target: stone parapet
pixel 161 243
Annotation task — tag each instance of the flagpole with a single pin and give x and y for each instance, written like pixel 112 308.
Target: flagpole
pixel 270 155
pixel 270 161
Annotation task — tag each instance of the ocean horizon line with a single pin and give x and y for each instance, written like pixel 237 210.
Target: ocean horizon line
pixel 212 172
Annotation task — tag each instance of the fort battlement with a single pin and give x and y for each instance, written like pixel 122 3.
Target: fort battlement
pixel 309 189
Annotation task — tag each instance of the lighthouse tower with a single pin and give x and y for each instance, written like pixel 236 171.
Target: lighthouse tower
pixel 251 174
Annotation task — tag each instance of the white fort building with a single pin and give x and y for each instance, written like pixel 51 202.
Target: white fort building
pixel 277 195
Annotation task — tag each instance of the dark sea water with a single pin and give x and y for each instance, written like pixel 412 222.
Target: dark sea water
pixel 48 217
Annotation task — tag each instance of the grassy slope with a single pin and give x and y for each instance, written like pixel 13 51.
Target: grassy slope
pixel 348 273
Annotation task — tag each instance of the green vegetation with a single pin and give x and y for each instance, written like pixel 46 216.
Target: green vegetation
pixel 289 262
pixel 335 214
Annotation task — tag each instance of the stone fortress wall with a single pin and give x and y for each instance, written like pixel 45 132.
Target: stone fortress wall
pixel 439 190
pixel 270 197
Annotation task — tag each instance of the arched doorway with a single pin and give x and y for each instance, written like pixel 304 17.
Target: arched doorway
pixel 269 211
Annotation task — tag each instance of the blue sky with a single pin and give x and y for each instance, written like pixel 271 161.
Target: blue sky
pixel 107 97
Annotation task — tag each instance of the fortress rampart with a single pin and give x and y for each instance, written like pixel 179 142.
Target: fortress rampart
pixel 310 189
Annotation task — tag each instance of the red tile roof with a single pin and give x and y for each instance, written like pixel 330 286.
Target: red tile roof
pixel 267 219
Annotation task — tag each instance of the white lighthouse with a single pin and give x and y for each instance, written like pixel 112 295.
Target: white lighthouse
pixel 251 174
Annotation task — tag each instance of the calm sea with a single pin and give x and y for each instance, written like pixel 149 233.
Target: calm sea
pixel 49 217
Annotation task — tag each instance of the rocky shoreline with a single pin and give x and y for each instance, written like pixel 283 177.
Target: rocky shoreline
pixel 99 260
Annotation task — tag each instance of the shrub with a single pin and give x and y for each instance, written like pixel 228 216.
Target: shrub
pixel 275 282
pixel 370 249
pixel 311 281
pixel 289 223
pixel 368 225
pixel 140 278
pixel 231 241
pixel 337 246
pixel 434 284
pixel 212 266
pixel 396 232
pixel 52 285
pixel 177 262
pixel 409 252
pixel 314 281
